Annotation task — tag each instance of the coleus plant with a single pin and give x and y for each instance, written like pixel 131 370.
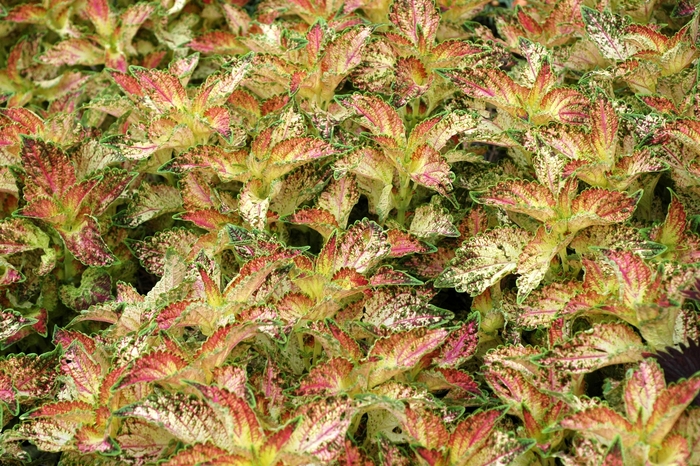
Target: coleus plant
pixel 110 45
pixel 389 174
pixel 315 232
pixel 405 62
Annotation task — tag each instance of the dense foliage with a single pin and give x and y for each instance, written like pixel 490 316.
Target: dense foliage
pixel 290 232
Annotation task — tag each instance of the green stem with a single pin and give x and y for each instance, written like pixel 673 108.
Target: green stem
pixel 68 266
pixel 405 196
pixel 564 260
pixel 415 108
pixel 317 351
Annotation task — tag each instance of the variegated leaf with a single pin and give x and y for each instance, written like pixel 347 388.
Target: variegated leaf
pixel 339 197
pixel 187 418
pixel 416 19
pixel 483 260
pixel 601 346
pixel 431 221
pixel 321 432
pixel 528 198
pixel 401 351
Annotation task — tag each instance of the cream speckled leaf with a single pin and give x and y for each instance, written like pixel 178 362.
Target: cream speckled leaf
pixel 151 367
pixel 87 244
pixel 203 453
pixel 253 204
pixel 73 52
pixel 607 31
pixel 642 388
pixel 330 378
pixel 483 260
pixel 597 206
pixel 12 322
pixel 535 258
pixel 471 435
pixel 189 419
pixel 85 373
pixel 229 165
pixel 239 420
pixel 431 220
pixel 151 251
pixel 399 309
pixel 339 197
pixel 345 52
pixel 150 201
pixel 429 168
pixel 491 85
pixel 48 168
pixel 362 246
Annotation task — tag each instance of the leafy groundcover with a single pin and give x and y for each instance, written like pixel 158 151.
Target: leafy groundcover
pixel 398 232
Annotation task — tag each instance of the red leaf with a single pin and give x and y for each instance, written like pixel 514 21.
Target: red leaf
pixel 48 168
pixel 151 367
pixel 163 89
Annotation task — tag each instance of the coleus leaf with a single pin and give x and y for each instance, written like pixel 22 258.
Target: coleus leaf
pixel 676 235
pixel 601 346
pixel 529 198
pixel 319 219
pixel 12 323
pixel 330 377
pixel 416 19
pixel 20 235
pixel 361 247
pixel 431 221
pixel 151 251
pixel 49 169
pixel 483 260
pixel 189 419
pixel 95 287
pixel 429 168
pixel 201 453
pixel 399 309
pixel 475 439
pixel 401 351
pixel 73 52
pixel 53 426
pixel 459 346
pixel 339 197
pixel 242 426
pixel 84 372
pixel 539 104
pixel 380 118
pixel 154 366
pixel 150 201
pixel 651 410
pixel 321 432
pixel 607 31
pixel 403 244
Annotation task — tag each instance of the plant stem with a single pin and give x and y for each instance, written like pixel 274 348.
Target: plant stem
pixel 564 260
pixel 68 266
pixel 405 196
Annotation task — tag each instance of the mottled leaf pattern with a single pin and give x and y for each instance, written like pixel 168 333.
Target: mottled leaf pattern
pixel 343 232
pixel 600 346
pixel 483 260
